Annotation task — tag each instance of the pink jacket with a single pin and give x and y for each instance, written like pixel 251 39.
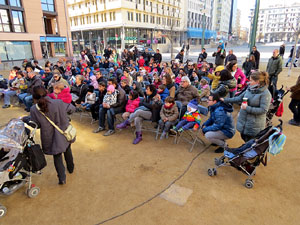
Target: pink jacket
pixel 132 105
pixel 94 82
pixel 239 73
pixel 64 95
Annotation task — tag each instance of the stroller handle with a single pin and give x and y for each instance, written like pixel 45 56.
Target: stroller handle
pixel 280 124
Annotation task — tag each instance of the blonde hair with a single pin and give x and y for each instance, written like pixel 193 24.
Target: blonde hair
pixel 262 77
pixel 59 85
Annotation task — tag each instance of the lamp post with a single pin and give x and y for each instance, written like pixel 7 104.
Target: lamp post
pixel 47 55
pixel 203 25
pixel 67 26
pixel 254 25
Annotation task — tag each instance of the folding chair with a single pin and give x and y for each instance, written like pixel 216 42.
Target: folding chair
pixel 87 113
pixel 193 136
pixel 179 106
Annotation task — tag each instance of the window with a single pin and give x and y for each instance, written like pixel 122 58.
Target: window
pixel 15 50
pixel 15 3
pixel 48 5
pixel 18 21
pixel 4 21
pixel 2 2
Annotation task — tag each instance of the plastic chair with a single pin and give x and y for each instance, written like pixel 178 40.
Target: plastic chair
pixel 193 136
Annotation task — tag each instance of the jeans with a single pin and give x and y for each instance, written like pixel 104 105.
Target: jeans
pixel 273 81
pixel 217 137
pixel 185 125
pixel 95 111
pixel 86 105
pixel 166 126
pixel 8 95
pixel 26 98
pixel 111 112
pixel 294 106
pixel 138 117
pixel 59 165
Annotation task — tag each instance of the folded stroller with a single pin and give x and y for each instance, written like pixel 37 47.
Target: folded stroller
pixel 277 100
pixel 250 155
pixel 19 158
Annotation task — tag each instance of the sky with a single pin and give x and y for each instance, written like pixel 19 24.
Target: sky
pixel 246 5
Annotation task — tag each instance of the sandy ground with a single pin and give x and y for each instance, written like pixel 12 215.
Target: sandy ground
pixel 112 175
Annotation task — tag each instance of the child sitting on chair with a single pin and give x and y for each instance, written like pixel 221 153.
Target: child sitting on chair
pixel 190 120
pixel 168 114
pixel 90 98
pixel 61 92
pixel 132 103
pixel 204 90
pixel 111 97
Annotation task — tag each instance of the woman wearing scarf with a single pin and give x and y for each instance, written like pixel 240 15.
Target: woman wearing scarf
pixel 255 104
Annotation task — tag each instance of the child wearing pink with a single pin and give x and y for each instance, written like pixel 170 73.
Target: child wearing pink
pixel 61 92
pixel 132 103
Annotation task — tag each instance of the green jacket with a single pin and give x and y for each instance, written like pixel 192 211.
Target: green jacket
pixel 274 66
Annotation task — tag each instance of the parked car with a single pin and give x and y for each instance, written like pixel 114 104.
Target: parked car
pixel 142 48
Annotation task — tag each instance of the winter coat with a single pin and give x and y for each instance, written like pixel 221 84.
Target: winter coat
pixel 132 105
pixel 164 94
pixel 239 73
pixel 111 99
pixel 224 87
pixel 157 57
pixel 205 91
pixel 16 85
pixel 281 50
pixel 248 66
pixel 47 78
pixel 185 95
pixel 229 58
pixel 274 66
pixel 90 98
pixel 179 57
pixel 172 90
pixel 64 95
pixel 252 119
pixel 220 119
pixel 296 90
pixel 193 117
pixel 257 58
pixel 127 89
pixel 80 91
pixel 94 82
pixel 298 52
pixel 219 58
pixel 53 142
pixel 215 80
pixel 34 82
pixel 121 99
pixel 170 114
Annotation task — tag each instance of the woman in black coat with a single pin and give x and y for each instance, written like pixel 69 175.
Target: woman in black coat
pixel 53 142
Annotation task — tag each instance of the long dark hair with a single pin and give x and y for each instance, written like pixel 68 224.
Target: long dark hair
pixel 39 94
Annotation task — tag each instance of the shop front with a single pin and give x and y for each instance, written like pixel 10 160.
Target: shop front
pixel 15 50
pixel 53 46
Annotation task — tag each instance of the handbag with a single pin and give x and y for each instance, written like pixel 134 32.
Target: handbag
pixel 69 133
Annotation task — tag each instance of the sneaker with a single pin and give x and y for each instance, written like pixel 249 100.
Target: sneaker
pixel 173 131
pixel 219 150
pixel 109 132
pixel 62 182
pixel 99 129
pixel 294 123
pixel 5 106
pixel 180 130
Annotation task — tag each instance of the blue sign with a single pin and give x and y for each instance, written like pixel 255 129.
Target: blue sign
pixel 197 33
pixel 53 39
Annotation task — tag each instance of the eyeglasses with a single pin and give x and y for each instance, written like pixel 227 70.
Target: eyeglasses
pixel 210 100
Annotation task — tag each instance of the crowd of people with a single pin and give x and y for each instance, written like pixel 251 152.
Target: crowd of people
pixel 141 86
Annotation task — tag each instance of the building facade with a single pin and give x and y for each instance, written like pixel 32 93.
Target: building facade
pixel 199 16
pixel 125 23
pixel 221 18
pixel 277 23
pixel 33 29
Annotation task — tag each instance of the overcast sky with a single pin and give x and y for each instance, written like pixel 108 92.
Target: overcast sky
pixel 246 5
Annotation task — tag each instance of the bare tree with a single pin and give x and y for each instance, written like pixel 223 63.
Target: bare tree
pixel 297 33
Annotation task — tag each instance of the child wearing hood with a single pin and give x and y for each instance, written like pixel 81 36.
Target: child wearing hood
pixel 215 77
pixel 204 90
pixel 94 82
pixel 190 120
pixel 61 92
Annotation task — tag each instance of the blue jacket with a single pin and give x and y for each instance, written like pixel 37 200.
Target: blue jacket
pixel 165 94
pixel 220 119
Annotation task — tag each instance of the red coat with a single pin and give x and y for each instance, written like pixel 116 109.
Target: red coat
pixel 141 62
pixel 64 95
pixel 132 105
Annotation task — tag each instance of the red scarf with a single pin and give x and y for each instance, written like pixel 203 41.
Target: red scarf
pixel 169 107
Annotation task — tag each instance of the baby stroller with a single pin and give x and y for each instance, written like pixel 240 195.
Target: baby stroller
pixel 19 158
pixel 277 100
pixel 250 155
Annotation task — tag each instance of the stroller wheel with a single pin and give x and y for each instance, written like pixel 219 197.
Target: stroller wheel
pixel 3 211
pixel 210 172
pixel 249 183
pixel 33 192
pixel 215 171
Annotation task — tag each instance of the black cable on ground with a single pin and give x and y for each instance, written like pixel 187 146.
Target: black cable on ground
pixel 156 195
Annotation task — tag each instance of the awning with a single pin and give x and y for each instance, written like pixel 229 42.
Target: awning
pixel 197 33
pixel 53 39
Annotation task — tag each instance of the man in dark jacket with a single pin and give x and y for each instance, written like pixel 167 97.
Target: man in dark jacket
pixel 147 56
pixel 230 57
pixel 256 56
pixel 115 109
pixel 291 58
pixel 220 56
pixel 157 57
pixel 26 98
pixel 282 50
pixel 47 76
pixel 294 105
pixel 274 67
pixel 220 126
pixel 92 58
pixel 180 56
pixel 202 55
pixel 34 64
pixel 107 53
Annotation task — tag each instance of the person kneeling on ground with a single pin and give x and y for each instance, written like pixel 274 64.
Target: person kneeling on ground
pixel 190 120
pixel 219 126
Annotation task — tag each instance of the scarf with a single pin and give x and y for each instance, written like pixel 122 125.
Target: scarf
pixel 254 87
pixel 169 107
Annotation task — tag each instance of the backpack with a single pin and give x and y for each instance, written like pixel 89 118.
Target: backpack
pixel 276 142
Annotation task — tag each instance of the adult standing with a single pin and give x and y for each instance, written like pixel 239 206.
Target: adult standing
pixel 202 56
pixel 291 58
pixel 294 105
pixel 180 56
pixel 249 65
pixel 230 57
pixel 220 56
pixel 53 142
pixel 157 57
pixel 239 76
pixel 252 116
pixel 282 50
pixel 256 56
pixel 274 67
pixel 226 83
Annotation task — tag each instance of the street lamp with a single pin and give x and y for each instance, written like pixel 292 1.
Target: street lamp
pixel 254 25
pixel 44 18
pixel 203 24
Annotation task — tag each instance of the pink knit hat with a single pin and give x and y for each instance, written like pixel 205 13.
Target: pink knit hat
pixel 111 88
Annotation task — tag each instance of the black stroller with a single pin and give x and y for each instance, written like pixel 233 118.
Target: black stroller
pixel 250 155
pixel 278 96
pixel 19 158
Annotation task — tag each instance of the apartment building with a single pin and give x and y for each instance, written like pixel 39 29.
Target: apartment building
pixel 33 29
pixel 277 22
pixel 124 23
pixel 221 18
pixel 199 17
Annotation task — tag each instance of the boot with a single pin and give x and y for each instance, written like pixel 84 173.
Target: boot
pixel 286 65
pixel 138 137
pixel 123 125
